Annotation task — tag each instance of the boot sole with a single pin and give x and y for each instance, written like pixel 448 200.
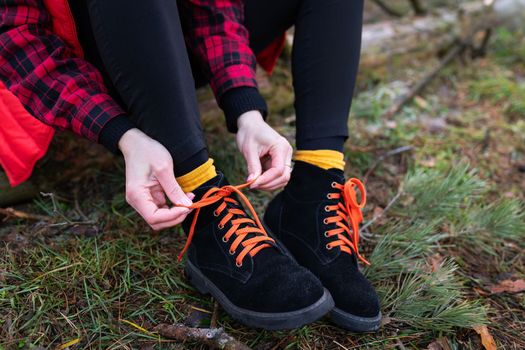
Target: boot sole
pixel 264 320
pixel 355 323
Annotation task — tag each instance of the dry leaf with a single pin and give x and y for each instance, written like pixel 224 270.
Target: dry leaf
pixel 508 286
pixel 486 338
pixel 480 291
pixel 429 162
pixel 421 102
pixel 435 262
pixel 439 344
pixel 385 320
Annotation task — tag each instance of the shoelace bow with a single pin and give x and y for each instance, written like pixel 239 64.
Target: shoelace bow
pixel 347 218
pixel 252 245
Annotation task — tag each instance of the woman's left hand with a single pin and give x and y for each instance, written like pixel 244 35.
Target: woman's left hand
pixel 267 154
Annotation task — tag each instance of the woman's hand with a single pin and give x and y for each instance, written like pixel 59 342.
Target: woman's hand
pixel 150 178
pixel 268 154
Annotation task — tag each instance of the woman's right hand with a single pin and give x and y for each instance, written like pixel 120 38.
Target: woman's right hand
pixel 150 179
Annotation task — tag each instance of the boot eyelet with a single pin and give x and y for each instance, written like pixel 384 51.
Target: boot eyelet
pixel 325 221
pixel 334 184
pixel 224 239
pixel 215 213
pixel 326 208
pixel 220 226
pixel 328 196
pixel 237 264
pixel 326 234
pixel 232 252
pixel 328 246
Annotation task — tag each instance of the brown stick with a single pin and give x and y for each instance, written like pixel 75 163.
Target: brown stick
pixel 214 315
pixel 416 89
pixel 383 157
pixel 215 338
pixel 10 212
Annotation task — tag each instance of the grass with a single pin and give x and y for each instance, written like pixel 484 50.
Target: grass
pixel 456 227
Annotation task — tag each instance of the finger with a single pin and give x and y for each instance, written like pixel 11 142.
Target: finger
pixel 278 169
pixel 275 184
pixel 158 197
pixel 172 223
pixel 268 176
pixel 278 182
pixel 170 186
pixel 155 216
pixel 253 162
pixel 143 203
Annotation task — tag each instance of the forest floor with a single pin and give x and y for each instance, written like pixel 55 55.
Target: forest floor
pixel 446 233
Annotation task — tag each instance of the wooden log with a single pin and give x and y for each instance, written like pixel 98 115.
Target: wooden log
pixel 415 34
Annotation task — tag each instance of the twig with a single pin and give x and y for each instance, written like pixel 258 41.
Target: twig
pixel 77 208
pixel 400 345
pixel 214 315
pixel 390 11
pixel 215 338
pixel 10 212
pixel 388 206
pixel 56 211
pixel 383 156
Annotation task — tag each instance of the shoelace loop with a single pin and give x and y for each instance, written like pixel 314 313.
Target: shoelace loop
pixel 237 217
pixel 347 218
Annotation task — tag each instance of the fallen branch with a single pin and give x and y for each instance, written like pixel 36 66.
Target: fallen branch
pixel 383 156
pixel 214 315
pixel 215 338
pixel 10 212
pixel 416 89
pixel 399 193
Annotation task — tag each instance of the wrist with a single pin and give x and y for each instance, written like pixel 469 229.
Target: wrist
pixel 250 118
pixel 130 139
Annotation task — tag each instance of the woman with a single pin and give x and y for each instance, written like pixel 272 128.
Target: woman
pixel 126 79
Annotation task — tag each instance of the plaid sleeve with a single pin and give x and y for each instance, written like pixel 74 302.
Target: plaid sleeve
pixel 219 40
pixel 59 89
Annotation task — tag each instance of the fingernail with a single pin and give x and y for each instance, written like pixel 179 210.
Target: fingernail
pixel 250 177
pixel 186 201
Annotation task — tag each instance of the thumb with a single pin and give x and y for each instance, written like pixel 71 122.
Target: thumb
pixel 254 165
pixel 172 189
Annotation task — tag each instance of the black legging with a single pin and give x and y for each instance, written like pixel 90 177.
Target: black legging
pixel 142 54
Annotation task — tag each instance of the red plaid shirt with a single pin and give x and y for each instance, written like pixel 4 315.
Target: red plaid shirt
pixel 67 92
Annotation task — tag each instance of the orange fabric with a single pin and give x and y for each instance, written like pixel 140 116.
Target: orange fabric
pixel 23 138
pixel 237 217
pixel 347 218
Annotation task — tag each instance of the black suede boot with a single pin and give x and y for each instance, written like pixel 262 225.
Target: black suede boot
pixel 249 274
pixel 312 217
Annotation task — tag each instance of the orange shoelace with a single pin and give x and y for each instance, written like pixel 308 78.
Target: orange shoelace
pixel 347 217
pixel 237 217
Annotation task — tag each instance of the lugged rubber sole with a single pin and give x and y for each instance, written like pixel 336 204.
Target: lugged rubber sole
pixel 355 323
pixel 269 321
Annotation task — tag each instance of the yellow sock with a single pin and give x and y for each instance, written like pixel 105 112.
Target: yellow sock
pixel 197 176
pixel 323 158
